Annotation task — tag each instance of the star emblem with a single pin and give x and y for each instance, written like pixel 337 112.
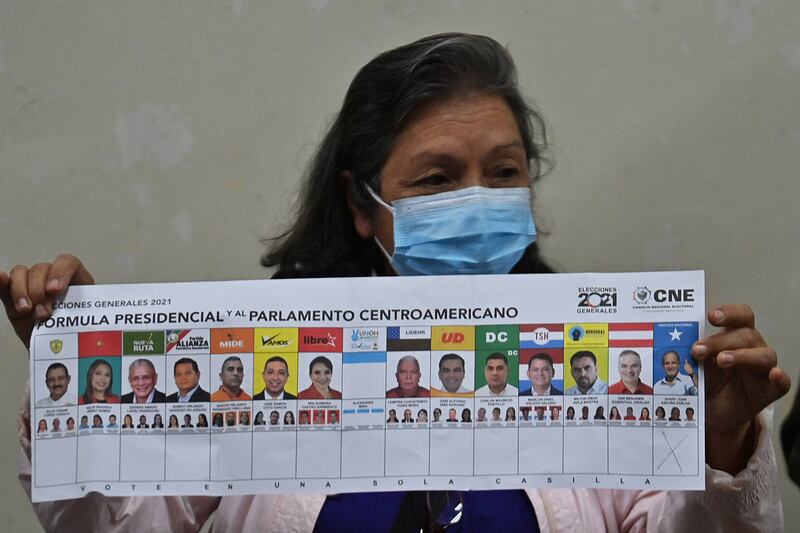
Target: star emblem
pixel 675 335
pixel 331 340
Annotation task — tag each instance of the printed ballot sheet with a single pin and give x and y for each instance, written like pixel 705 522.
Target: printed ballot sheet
pixel 370 384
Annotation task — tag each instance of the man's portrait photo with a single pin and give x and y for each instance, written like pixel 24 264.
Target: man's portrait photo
pixel 629 364
pixel 231 376
pixel 275 375
pixel 408 376
pixel 496 373
pixel 451 375
pixel 187 378
pixel 584 370
pixel 143 378
pixel 57 379
pixel 540 373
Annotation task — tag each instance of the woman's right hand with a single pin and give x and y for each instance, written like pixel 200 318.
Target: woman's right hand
pixel 28 294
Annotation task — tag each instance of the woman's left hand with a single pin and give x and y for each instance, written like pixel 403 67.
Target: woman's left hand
pixel 742 378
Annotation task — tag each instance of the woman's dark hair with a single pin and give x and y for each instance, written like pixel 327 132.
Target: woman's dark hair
pixel 88 395
pixel 320 359
pixel 322 240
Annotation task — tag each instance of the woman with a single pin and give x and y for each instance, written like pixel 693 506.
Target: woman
pixel 202 420
pixel 42 426
pixel 320 371
pixel 127 422
pixel 661 414
pixel 259 419
pixel 599 413
pixel 645 414
pixel 466 416
pixel 570 413
pixel 437 415
pixel 511 414
pixel 675 415
pixel 173 422
pixel 158 422
pixel 453 99
pixel 422 416
pixel 70 424
pixel 217 420
pixel 244 418
pixel 614 415
pixel 97 422
pixel 288 419
pixel 99 384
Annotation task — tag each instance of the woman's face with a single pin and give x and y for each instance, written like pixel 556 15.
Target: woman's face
pixel 42 425
pixel 101 378
pixel 445 146
pixel 320 376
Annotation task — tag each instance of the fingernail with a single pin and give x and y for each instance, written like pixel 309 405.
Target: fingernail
pixel 700 349
pixel 41 312
pixel 718 315
pixel 725 358
pixel 22 304
pixel 53 285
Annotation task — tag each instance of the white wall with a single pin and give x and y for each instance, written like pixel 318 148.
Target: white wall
pixel 159 140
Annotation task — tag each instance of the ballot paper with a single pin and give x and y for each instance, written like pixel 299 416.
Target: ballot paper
pixel 370 384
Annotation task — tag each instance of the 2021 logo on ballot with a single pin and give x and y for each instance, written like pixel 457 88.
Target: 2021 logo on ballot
pixel 597 300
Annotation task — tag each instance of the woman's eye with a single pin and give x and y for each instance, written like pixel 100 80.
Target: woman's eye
pixel 434 179
pixel 507 172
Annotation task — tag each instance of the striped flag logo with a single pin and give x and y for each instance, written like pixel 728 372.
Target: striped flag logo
pixel 541 336
pixel 630 335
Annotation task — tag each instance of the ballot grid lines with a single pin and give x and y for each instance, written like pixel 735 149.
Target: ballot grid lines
pixel 350 416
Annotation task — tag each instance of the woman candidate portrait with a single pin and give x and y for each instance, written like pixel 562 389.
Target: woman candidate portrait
pixel 440 126
pixel 99 384
pixel 320 371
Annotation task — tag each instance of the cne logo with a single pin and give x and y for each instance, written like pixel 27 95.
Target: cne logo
pixel 673 295
pixel 642 295
pixel 56 345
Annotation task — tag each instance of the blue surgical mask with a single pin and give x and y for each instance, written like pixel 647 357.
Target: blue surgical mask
pixel 476 230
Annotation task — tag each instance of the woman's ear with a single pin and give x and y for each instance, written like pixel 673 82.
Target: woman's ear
pixel 362 221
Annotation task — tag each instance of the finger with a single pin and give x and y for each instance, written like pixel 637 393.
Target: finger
pixel 732 316
pixel 728 340
pixel 67 270
pixel 781 381
pixel 18 290
pixel 5 295
pixel 760 360
pixel 37 280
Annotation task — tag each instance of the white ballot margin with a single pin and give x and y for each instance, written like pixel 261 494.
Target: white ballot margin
pixel 370 384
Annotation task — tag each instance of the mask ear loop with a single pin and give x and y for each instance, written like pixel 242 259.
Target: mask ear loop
pixel 374 237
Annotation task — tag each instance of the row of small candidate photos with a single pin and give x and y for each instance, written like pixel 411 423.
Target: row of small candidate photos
pixel 672 412
pixel 204 341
